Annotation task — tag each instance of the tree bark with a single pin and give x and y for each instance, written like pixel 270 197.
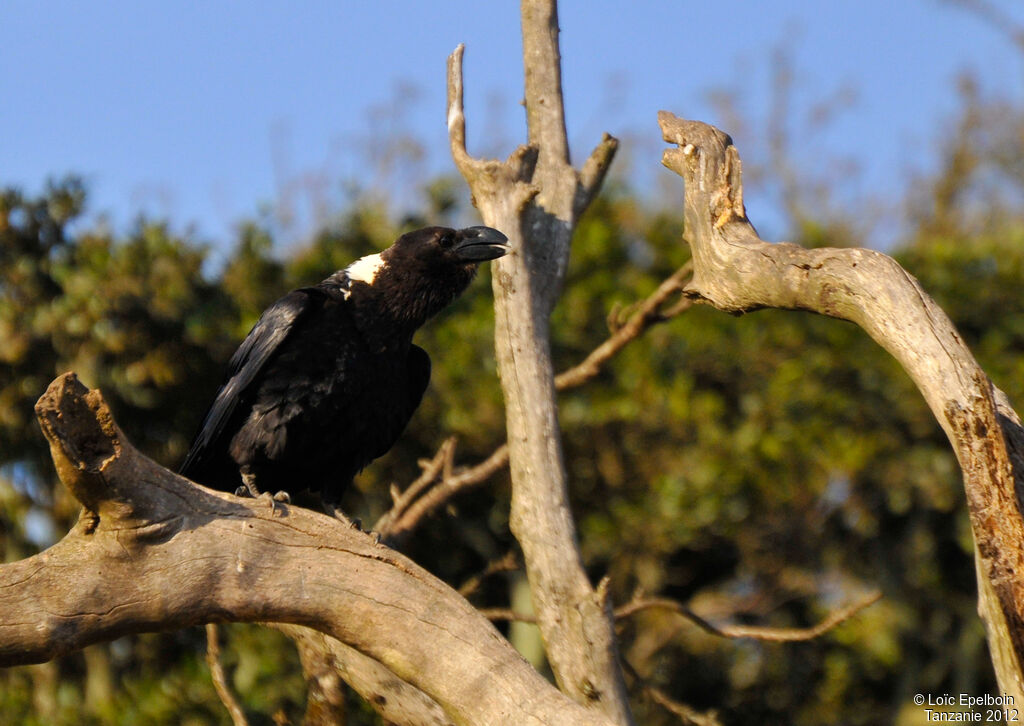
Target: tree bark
pixel 153 551
pixel 536 197
pixel 736 271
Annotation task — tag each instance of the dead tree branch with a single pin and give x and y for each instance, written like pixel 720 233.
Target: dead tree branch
pixel 736 271
pixel 773 635
pixel 153 551
pixel 509 562
pixel 649 312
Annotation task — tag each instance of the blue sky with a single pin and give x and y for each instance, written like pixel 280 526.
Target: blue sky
pixel 204 112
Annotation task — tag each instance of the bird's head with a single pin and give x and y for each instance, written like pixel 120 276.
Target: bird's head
pixel 442 247
pixel 426 269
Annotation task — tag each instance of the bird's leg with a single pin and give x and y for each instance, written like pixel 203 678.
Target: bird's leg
pixel 249 489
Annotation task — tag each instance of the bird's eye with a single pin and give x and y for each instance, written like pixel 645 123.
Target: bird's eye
pixel 447 240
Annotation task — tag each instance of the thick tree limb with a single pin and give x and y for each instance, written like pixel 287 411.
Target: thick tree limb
pixel 736 271
pixel 154 551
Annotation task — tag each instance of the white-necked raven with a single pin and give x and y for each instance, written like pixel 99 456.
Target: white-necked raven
pixel 328 378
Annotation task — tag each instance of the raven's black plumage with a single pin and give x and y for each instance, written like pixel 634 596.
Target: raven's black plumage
pixel 328 377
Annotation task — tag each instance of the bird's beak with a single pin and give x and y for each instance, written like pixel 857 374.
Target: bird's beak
pixel 478 244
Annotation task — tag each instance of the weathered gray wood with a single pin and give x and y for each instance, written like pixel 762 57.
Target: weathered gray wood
pixel 736 271
pixel 536 197
pixel 154 551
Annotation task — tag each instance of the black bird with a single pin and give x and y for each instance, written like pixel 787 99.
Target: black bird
pixel 328 378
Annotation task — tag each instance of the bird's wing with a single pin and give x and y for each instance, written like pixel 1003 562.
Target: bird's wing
pixel 273 327
pixel 419 376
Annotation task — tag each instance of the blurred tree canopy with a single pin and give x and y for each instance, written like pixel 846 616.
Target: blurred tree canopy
pixel 765 469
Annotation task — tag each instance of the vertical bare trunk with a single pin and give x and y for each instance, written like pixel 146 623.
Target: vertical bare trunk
pixel 536 197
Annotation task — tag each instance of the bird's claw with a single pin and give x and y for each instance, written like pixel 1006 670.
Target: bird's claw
pixel 353 522
pixel 274 499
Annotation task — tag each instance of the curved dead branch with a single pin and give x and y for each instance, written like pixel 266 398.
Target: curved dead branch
pixel 736 271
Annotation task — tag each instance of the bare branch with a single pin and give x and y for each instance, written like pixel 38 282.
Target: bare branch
pixel 775 635
pixel 487 175
pixel 402 501
pixel 327 661
pixel 456 112
pixel 507 615
pixel 325 694
pixel 401 524
pixel 509 562
pixel 647 314
pixel 542 70
pixel 687 715
pixel 220 681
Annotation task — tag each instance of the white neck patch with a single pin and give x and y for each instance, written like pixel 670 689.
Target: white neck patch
pixel 365 269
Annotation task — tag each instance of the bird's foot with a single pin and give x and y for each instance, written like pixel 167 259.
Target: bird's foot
pixel 274 499
pixel 249 489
